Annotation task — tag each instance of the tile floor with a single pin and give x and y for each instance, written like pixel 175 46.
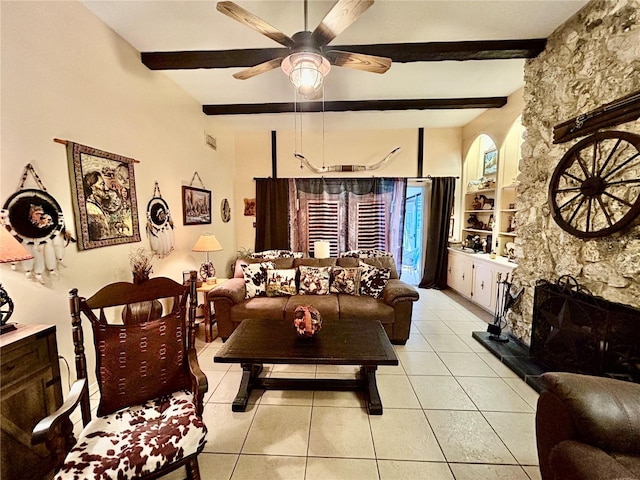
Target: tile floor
pixel 451 411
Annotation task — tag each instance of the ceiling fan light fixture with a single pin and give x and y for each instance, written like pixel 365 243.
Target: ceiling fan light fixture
pixel 306 71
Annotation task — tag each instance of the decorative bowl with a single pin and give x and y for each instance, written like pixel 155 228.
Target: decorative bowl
pixel 307 321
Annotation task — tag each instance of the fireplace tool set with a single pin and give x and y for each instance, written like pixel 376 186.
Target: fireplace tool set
pixel 504 301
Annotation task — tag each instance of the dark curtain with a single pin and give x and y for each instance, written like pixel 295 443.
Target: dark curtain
pixel 272 214
pixel 435 257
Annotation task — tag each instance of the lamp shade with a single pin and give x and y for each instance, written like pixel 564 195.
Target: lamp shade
pixel 10 249
pixel 207 243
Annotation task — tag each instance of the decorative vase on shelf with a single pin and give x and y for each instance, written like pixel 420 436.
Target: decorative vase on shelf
pixel 307 321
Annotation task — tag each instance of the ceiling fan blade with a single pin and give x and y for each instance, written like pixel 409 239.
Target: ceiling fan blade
pixel 258 69
pixel 359 61
pixel 247 18
pixel 343 14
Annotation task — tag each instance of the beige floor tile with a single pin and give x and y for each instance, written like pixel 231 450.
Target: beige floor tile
pixel 340 432
pixel 216 466
pixel 433 327
pixel 401 434
pixel 524 390
pixel 227 389
pixel 518 432
pixel 441 393
pixel 473 344
pixel 493 394
pixel 533 472
pixel 466 437
pixel 348 399
pixel 341 469
pixel 351 370
pixel 423 314
pixel 391 369
pixel 279 430
pixel 403 470
pixel 488 472
pixel 466 363
pixel 287 397
pixel 497 366
pixel 422 363
pixel 465 327
pixel 396 392
pixel 262 467
pixel 286 368
pixel 415 343
pixel 227 430
pixel 447 343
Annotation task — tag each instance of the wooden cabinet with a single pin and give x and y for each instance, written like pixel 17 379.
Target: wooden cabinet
pixel 30 389
pixel 475 276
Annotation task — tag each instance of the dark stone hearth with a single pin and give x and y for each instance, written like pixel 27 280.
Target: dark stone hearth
pixel 516 356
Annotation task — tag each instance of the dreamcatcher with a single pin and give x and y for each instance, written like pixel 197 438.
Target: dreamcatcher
pixel 35 219
pixel 159 225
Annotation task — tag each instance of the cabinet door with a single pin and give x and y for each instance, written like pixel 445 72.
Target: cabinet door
pixel 484 286
pixel 459 274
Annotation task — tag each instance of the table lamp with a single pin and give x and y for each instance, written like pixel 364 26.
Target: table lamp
pixel 207 243
pixel 11 251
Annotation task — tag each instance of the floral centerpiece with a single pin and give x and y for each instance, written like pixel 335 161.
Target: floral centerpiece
pixel 140 260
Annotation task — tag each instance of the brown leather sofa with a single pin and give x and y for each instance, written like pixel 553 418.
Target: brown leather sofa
pixel 588 428
pixel 393 309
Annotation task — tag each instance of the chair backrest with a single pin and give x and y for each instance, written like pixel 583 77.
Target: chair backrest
pixel 136 362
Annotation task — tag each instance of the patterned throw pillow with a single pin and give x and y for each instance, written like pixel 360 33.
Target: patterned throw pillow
pixel 345 280
pixel 271 254
pixel 255 279
pixel 373 280
pixel 281 283
pixel 139 362
pixel 314 280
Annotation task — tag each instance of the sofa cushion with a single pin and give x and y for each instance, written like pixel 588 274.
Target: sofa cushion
pixel 281 263
pixel 281 282
pixel 255 279
pixel 345 280
pixel 260 307
pixel 366 253
pixel 327 305
pixel 383 262
pixel 373 280
pixel 365 307
pixel 314 280
pixel 348 262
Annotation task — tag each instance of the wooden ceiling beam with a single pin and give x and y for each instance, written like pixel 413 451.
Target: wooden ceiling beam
pixel 398 52
pixel 356 105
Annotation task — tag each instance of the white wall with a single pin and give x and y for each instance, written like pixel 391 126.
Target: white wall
pixel 442 157
pixel 66 75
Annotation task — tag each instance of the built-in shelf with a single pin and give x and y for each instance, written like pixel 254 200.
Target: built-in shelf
pixel 475 230
pixel 479 211
pixel 508 234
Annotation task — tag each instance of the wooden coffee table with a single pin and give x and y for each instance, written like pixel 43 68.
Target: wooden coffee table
pixel 352 342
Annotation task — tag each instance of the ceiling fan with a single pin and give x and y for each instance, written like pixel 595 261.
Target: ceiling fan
pixel 309 59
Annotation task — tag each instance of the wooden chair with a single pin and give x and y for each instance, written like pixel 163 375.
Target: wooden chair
pixel 149 419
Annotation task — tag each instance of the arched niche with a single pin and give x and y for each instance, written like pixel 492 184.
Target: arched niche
pixel 510 153
pixel 481 159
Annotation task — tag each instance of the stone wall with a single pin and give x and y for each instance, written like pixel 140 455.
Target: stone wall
pixel 591 60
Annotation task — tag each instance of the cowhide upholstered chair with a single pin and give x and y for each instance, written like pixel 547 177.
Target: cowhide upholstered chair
pixel 149 418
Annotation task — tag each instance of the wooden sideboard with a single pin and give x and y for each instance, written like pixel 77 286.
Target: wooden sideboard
pixel 30 389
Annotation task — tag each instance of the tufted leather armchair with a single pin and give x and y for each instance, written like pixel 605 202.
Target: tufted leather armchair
pixel 588 428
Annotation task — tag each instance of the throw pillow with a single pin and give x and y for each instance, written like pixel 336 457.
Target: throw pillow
pixel 373 280
pixel 314 280
pixel 345 280
pixel 281 283
pixel 141 362
pixel 366 253
pixel 255 279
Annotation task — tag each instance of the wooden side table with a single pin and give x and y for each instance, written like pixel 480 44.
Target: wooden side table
pixel 30 389
pixel 209 316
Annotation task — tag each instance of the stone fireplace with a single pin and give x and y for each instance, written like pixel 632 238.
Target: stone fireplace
pixel 591 60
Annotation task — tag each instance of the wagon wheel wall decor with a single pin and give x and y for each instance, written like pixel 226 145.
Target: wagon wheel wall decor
pixel 595 189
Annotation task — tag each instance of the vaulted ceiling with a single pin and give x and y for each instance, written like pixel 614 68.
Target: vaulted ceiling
pixel 451 59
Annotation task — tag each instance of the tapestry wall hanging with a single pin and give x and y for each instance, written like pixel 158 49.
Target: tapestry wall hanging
pixel 159 225
pixel 35 219
pixel 104 197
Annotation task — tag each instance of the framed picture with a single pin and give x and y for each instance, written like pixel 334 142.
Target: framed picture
pixel 196 206
pixel 249 207
pixel 490 163
pixel 104 197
